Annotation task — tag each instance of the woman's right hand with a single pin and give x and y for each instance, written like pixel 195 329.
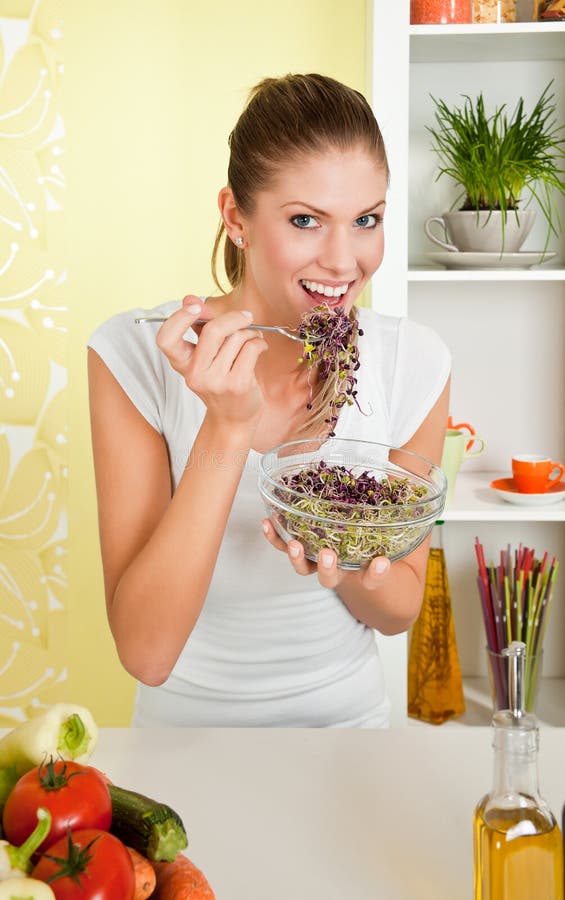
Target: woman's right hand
pixel 220 368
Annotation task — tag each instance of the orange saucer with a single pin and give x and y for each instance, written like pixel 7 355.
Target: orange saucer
pixel 506 488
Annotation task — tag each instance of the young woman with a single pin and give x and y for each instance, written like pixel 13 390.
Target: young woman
pixel 221 622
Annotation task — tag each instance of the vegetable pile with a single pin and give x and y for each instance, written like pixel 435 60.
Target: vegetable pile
pixel 69 833
pixel 354 513
pixel 330 343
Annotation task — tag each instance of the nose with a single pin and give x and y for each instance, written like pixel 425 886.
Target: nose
pixel 337 254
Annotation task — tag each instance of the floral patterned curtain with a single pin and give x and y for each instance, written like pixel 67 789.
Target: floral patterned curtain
pixel 33 334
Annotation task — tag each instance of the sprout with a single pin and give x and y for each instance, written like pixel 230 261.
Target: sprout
pixel 330 343
pixel 343 510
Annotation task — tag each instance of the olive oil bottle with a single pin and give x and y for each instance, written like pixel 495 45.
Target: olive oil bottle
pixel 518 848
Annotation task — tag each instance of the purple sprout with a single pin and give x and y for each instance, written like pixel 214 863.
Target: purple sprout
pixel 356 514
pixel 329 337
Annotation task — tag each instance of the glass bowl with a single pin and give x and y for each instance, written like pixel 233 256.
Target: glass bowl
pixel 356 531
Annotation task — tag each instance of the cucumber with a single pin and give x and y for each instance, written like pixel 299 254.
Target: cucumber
pixel 153 829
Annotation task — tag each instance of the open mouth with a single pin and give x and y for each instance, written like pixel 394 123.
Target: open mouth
pixel 325 293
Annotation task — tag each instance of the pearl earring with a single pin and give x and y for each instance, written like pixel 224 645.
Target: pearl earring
pixel 239 241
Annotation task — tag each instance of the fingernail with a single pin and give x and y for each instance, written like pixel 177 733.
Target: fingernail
pixel 193 308
pixel 265 528
pixel 294 551
pixel 380 566
pixel 327 560
pixel 247 313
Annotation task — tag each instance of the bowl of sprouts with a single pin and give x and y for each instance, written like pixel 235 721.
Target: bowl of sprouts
pixel 358 498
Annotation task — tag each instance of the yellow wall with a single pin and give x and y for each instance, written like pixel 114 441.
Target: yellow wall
pixel 152 90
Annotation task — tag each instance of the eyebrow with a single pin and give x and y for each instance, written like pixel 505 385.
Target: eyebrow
pixel 321 212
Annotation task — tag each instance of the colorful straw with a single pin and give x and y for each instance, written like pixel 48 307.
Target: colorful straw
pixel 515 601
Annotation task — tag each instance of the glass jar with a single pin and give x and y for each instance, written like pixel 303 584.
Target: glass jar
pixel 548 11
pixel 488 11
pixel 440 12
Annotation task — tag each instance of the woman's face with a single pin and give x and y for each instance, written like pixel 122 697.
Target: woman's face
pixel 316 235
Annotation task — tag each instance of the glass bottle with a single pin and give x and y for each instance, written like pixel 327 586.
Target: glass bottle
pixel 518 850
pixel 491 11
pixel 435 686
pixel 548 11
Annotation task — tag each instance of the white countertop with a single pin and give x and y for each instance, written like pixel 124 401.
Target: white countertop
pixel 324 814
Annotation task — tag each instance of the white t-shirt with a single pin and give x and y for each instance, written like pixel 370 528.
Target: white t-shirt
pixel 272 648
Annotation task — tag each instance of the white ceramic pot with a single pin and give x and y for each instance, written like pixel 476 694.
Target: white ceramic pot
pixel 481 232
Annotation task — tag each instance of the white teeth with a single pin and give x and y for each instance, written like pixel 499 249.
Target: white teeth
pixel 325 289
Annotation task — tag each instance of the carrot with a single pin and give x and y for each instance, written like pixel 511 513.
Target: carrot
pixel 145 878
pixel 181 880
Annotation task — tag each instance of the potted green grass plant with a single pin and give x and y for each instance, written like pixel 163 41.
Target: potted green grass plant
pixel 499 161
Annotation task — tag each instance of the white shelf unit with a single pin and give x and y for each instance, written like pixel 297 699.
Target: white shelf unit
pixel 537 274
pixel 505 327
pixel 474 501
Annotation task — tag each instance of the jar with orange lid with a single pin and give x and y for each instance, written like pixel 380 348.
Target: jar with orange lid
pixel 440 12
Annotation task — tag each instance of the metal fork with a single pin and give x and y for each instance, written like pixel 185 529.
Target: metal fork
pixel 140 320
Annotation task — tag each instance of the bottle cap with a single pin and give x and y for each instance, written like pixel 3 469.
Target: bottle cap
pixel 516 653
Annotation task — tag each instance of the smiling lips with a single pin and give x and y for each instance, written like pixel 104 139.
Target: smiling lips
pixel 329 292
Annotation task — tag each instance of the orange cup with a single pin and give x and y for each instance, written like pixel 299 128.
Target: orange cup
pixel 534 473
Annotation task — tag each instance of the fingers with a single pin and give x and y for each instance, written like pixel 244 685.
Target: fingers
pixel 170 337
pixel 238 354
pixel 272 536
pixel 294 550
pixel 375 573
pixel 231 326
pixel 301 565
pixel 330 575
pixel 223 343
pixel 243 367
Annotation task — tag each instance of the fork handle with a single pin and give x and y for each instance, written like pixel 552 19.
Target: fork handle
pixel 140 320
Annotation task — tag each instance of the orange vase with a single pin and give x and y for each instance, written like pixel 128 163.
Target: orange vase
pixel 435 687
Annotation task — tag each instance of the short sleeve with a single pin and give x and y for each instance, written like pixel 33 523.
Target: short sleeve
pixel 422 367
pixel 131 353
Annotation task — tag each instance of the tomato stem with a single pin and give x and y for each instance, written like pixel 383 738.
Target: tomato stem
pixel 74 864
pixel 50 780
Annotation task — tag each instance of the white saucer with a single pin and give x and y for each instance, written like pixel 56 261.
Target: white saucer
pixel 506 488
pixel 452 259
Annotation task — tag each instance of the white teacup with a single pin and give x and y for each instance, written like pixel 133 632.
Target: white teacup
pixel 469 231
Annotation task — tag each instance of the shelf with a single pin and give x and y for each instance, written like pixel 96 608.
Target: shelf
pixel 550 708
pixel 478 43
pixel 435 273
pixel 506 334
pixel 474 501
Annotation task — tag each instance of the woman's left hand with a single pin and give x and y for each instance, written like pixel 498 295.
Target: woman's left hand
pixel 329 575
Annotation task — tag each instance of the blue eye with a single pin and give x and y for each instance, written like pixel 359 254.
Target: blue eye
pixel 371 220
pixel 304 221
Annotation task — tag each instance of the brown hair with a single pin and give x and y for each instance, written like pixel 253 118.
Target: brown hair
pixel 286 118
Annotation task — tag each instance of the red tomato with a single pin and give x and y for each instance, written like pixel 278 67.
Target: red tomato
pixel 99 867
pixel 75 795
